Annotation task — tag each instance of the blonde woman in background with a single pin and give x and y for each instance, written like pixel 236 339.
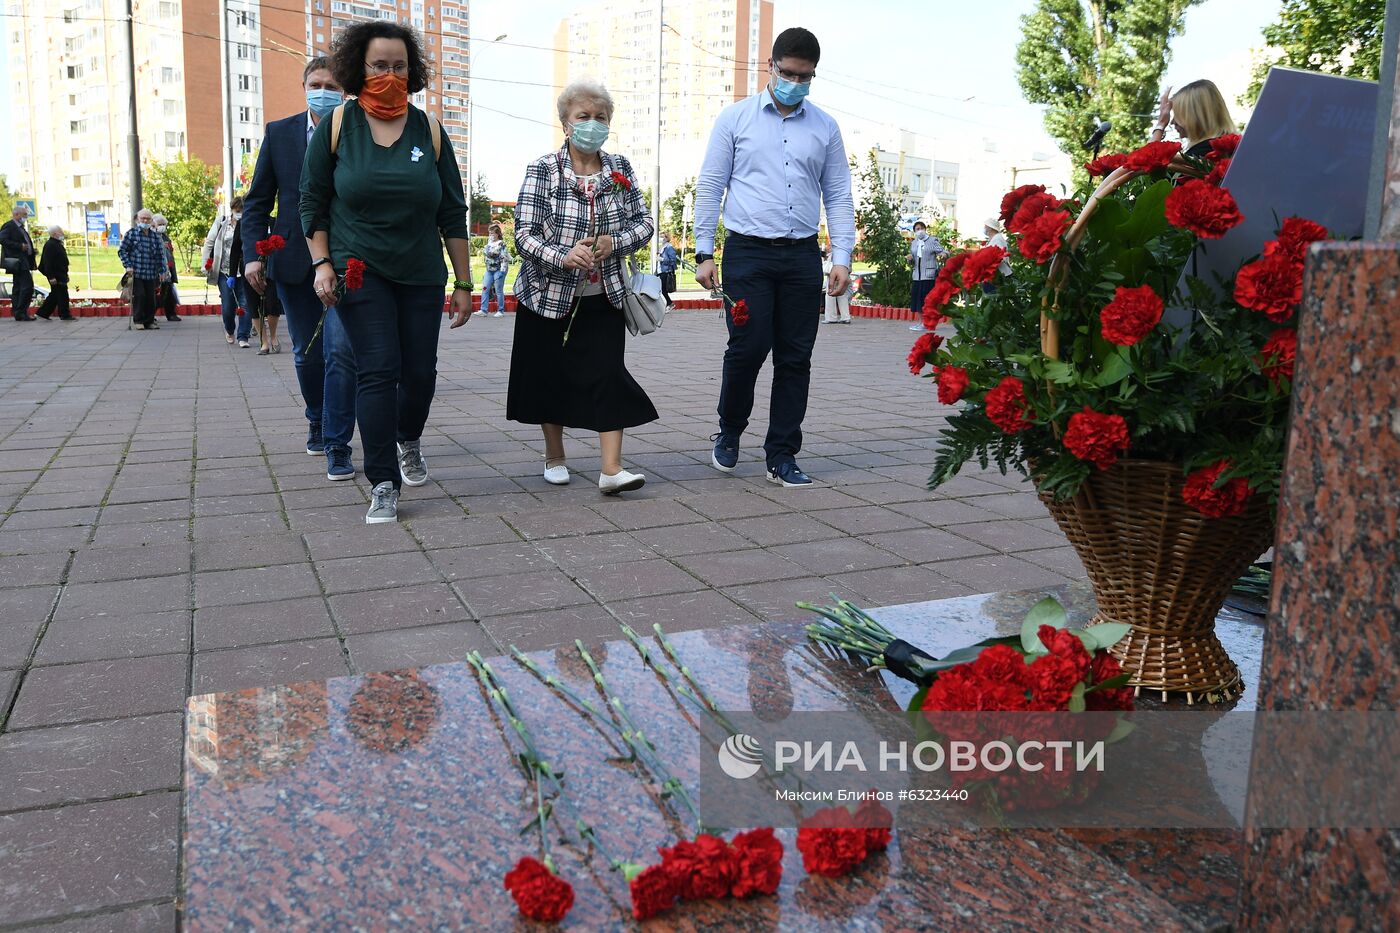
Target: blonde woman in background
pixel 1199 114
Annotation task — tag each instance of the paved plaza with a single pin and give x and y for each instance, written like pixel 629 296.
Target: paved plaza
pixel 164 534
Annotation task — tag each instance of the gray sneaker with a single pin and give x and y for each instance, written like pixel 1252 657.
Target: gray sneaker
pixel 383 504
pixel 411 466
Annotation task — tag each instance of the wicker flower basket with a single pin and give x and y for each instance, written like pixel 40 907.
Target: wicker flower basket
pixel 1155 563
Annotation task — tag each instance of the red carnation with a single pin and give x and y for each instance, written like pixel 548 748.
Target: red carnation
pixel 1105 666
pixel 1096 438
pixel 1131 315
pixel 1276 357
pixel 923 348
pixel 952 266
pixel 1063 643
pixel 872 817
pixel 653 891
pixel 1294 239
pixel 1002 664
pixel 1052 681
pixel 966 689
pixel 1007 406
pixel 1042 239
pixel 932 317
pixel 1201 207
pixel 952 383
pixel 739 312
pixel 241 311
pixel 269 246
pixel 539 893
pixel 1152 156
pixel 1202 494
pixel 1012 199
pixel 1217 174
pixel 1105 165
pixel 1223 147
pixel 354 273
pixel 621 181
pixel 830 842
pixel 982 266
pixel 1273 285
pixel 1031 209
pixel 759 857
pixel 705 866
pixel 938 296
pixel 209 263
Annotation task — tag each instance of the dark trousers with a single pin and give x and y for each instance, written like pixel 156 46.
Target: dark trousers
pixel 143 300
pixel 393 330
pixel 58 298
pixel 782 285
pixel 167 301
pixel 668 285
pixel 918 293
pixel 21 292
pixel 326 368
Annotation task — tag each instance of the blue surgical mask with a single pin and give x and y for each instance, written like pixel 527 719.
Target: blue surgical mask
pixel 322 100
pixel 143 226
pixel 922 234
pixel 789 93
pixel 589 135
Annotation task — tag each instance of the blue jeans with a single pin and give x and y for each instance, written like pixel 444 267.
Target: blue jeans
pixel 494 281
pixel 782 285
pixel 326 372
pixel 230 300
pixel 393 330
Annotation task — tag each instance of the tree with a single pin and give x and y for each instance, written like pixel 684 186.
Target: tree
pixel 8 197
pixel 881 242
pixel 481 201
pixel 1335 37
pixel 1097 58
pixel 183 191
pixel 673 208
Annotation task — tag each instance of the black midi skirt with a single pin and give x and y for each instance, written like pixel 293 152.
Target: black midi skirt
pixel 584 384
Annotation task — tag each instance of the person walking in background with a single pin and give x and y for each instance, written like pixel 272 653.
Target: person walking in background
pixel 264 310
pixel 497 265
pixel 325 368
pixel 168 299
pixel 779 158
pixel 579 213
pixel 1198 113
pixel 218 270
pixel 667 262
pixel 995 236
pixel 17 257
pixel 53 265
pixel 143 257
pixel 387 193
pixel 838 307
pixel 926 255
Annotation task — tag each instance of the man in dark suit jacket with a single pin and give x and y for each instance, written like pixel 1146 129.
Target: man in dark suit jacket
pixel 53 265
pixel 325 370
pixel 17 255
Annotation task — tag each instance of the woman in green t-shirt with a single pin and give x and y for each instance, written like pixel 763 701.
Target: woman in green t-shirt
pixel 383 193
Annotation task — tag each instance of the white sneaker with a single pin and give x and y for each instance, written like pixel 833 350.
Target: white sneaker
pixel 620 482
pixel 383 504
pixel 499 314
pixel 557 475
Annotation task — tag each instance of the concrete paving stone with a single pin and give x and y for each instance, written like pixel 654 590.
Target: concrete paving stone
pixel 57 480
pixel 136 535
pixel 347 518
pixel 542 523
pixel 486 560
pixel 52 518
pixel 90 761
pixel 88 857
pixel 142 918
pixel 478 486
pixel 32 569
pixel 1061 560
pixel 940 512
pixel 635 514
pixel 236 505
pixel 213 483
pixel 595 550
pixel 215 527
pixel 111 637
pixel 255 585
pixel 153 594
pixel 146 512
pixel 869 460
pixel 1023 505
pixel 460 532
pixel 996 572
pixel 775 601
pixel 963 486
pixel 866 519
pixel 679 612
pixel 35 501
pixel 836 555
pixel 114 689
pixel 783 528
pixel 724 506
pixel 498 503
pixel 101 564
pixel 553 628
pixel 811 499
pixel 520 592
pixel 729 568
pixel 166 492
pixel 9 684
pixel 239 626
pixel 681 540
pixel 367 541
pixel 377 572
pixel 325 496
pixel 921 545
pixel 892 586
pixel 268 550
pixel 634 579
pixel 405 607
pixel 418 647
pixel 287 662
pixel 17 639
pixel 1011 535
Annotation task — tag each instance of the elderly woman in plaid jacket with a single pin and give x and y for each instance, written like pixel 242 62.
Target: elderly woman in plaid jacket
pixel 579 213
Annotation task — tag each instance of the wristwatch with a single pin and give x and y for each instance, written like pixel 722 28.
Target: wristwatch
pixel 704 257
pixel 320 262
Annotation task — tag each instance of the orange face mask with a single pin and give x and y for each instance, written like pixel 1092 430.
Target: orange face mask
pixel 385 96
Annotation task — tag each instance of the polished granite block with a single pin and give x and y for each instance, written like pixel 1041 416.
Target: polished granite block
pixel 394 799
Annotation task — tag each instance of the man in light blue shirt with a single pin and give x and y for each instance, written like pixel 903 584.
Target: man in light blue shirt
pixel 779 158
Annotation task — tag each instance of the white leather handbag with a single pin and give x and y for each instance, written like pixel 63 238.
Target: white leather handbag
pixel 644 306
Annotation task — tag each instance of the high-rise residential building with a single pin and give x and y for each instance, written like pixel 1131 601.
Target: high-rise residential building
pixel 711 53
pixel 68 73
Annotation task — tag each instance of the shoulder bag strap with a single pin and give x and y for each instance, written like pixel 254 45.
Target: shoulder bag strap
pixel 337 118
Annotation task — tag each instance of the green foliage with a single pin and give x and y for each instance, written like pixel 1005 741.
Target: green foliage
pixel 881 241
pixel 1337 37
pixel 480 212
pixel 8 197
pixel 183 190
pixel 1097 58
pixel 673 208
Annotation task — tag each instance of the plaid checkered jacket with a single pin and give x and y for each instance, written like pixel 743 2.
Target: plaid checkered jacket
pixel 552 214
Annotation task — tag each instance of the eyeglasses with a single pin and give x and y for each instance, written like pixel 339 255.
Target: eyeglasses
pixel 794 76
pixel 380 68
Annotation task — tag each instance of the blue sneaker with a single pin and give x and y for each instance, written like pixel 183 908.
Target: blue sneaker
pixel 787 473
pixel 725 456
pixel 315 443
pixel 338 463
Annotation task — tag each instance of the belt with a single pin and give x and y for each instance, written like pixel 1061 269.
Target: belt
pixel 775 241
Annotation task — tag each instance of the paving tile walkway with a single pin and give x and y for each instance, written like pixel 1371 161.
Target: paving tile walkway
pixel 163 533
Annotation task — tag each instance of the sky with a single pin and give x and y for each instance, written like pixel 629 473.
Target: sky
pixel 957 79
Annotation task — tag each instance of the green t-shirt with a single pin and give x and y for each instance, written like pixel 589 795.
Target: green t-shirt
pixel 384 205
